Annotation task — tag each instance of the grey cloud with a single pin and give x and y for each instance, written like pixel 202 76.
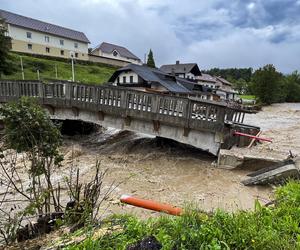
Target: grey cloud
pixel 259 13
pixel 213 33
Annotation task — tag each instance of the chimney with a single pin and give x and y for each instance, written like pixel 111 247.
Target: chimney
pixel 177 62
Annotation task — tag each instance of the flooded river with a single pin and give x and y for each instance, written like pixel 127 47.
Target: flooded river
pixel 152 168
pixel 281 123
pixel 166 171
pixel 171 172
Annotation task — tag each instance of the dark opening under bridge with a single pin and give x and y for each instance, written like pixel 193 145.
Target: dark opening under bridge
pixel 205 125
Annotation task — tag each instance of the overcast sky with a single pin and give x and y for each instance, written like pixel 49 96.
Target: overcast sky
pixel 213 33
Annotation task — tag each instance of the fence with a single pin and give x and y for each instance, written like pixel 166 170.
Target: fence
pixel 124 102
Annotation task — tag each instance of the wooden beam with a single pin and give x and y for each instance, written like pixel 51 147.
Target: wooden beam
pixel 253 140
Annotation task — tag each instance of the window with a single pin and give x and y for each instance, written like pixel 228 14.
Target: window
pixel 29 46
pixel 47 50
pixel 118 80
pixel 115 53
pixel 62 52
pixel 61 42
pixel 28 34
pixel 76 55
pixel 47 39
pixel 124 79
pixel 76 45
pixel 131 79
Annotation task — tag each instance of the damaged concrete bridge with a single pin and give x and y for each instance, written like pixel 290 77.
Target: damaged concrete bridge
pixel 203 124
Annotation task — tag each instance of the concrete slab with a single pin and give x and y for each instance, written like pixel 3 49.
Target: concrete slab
pixel 274 176
pixel 231 159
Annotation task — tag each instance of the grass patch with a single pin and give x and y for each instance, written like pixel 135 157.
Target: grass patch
pixel 84 72
pixel 264 228
pixel 247 97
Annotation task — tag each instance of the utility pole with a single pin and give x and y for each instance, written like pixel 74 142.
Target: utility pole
pixel 22 69
pixel 55 66
pixel 73 73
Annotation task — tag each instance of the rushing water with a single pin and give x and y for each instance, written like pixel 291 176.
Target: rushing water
pixel 162 170
pixel 166 171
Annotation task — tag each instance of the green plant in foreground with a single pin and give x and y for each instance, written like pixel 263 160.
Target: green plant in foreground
pixel 30 136
pixel 264 228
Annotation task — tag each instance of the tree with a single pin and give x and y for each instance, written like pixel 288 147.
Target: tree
pixel 240 86
pixel 267 85
pixel 292 87
pixel 232 74
pixel 5 45
pixel 28 129
pixel 150 61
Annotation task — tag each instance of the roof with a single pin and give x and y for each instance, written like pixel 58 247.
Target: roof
pixel 206 78
pixel 33 24
pixel 224 81
pixel 180 68
pixel 109 48
pixel 154 75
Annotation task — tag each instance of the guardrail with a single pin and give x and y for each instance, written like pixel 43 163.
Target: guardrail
pixel 124 102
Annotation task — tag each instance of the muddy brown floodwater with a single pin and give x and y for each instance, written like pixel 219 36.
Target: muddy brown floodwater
pixel 167 173
pixel 155 168
pixel 176 174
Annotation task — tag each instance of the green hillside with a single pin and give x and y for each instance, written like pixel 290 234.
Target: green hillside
pixel 85 72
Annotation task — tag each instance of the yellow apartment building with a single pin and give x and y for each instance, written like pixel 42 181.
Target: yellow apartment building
pixel 37 37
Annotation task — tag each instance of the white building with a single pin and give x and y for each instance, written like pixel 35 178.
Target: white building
pixel 37 37
pixel 115 52
pixel 207 80
pixel 143 78
pixel 184 70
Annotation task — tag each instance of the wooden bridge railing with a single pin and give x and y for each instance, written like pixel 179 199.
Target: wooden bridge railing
pixel 120 101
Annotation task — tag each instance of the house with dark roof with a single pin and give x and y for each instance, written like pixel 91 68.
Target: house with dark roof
pixel 183 70
pixel 207 80
pixel 115 52
pixel 225 89
pixel 191 72
pixel 143 78
pixel 221 86
pixel 37 37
